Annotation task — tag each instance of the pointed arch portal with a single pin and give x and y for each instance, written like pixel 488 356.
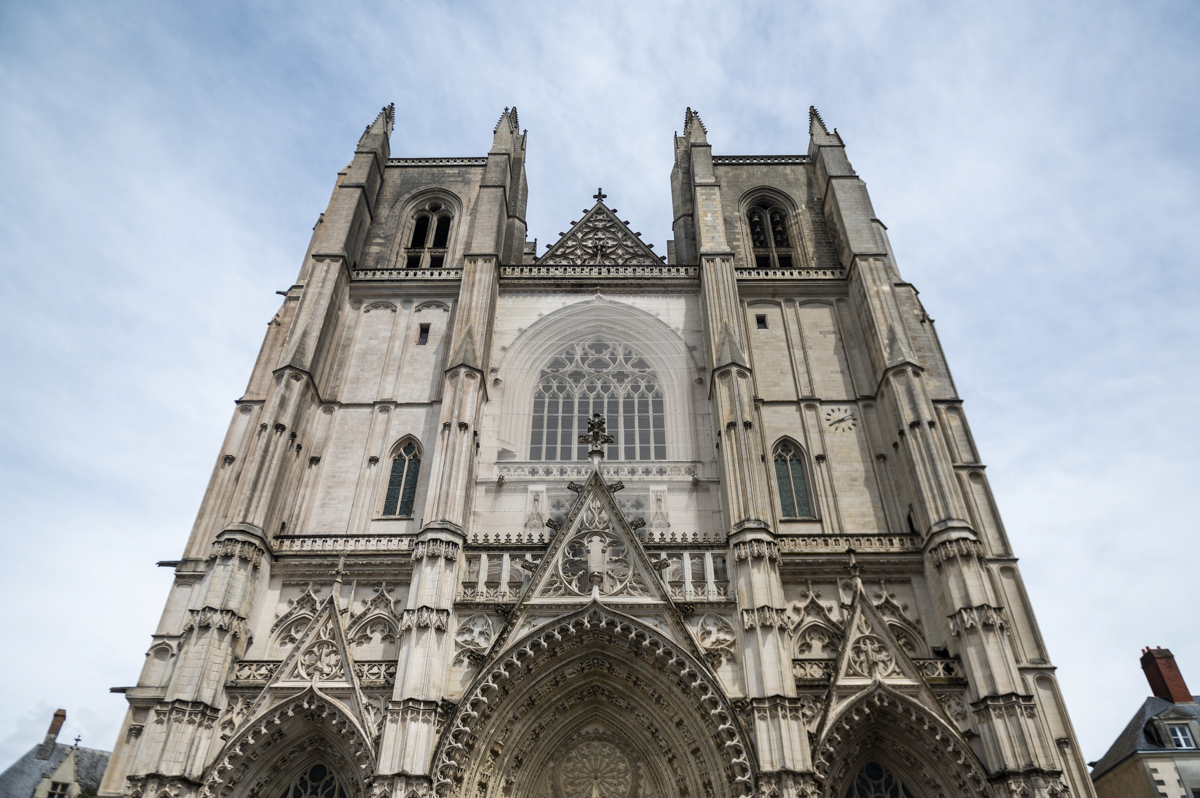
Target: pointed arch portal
pixel 594 705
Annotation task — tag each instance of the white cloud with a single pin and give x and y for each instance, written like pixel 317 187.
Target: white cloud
pixel 1036 165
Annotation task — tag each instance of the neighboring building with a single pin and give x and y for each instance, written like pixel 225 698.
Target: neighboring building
pixel 1156 756
pixel 772 567
pixel 53 770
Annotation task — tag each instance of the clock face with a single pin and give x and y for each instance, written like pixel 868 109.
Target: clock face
pixel 841 419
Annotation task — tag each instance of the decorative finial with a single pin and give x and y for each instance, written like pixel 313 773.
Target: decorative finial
pixel 341 569
pixel 597 436
pixel 599 195
pixel 77 739
pixel 853 567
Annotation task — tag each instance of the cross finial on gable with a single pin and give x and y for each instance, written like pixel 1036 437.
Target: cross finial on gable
pixel 341 569
pixel 597 436
pixel 599 195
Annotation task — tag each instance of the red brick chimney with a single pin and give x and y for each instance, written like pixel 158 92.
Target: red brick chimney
pixel 56 723
pixel 1163 674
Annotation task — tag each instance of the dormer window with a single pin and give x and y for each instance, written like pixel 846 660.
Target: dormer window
pixel 430 237
pixel 1181 735
pixel 769 237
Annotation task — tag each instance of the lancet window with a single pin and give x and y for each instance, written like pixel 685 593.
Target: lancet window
pixel 793 486
pixel 769 237
pixel 599 376
pixel 402 482
pixel 876 781
pixel 430 237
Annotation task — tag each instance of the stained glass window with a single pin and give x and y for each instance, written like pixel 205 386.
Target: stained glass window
pixel 315 782
pixel 600 376
pixel 793 489
pixel 876 781
pixel 402 483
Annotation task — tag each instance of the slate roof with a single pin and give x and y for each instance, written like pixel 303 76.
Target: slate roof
pixel 23 776
pixel 1134 738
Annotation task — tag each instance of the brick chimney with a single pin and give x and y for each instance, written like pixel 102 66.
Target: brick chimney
pixel 1163 674
pixel 56 723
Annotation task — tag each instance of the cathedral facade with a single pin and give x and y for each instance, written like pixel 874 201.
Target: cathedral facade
pixel 598 522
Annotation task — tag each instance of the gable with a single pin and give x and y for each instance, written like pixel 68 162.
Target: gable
pixel 600 239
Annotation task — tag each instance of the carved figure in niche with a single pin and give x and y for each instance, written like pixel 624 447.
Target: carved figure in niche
pixel 595 769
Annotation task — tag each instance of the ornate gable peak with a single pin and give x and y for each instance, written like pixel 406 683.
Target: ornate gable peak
pixel 600 239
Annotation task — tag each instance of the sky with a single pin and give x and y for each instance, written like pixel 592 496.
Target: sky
pixel 162 166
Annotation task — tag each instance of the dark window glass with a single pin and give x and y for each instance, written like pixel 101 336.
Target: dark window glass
pixel 423 335
pixel 761 321
pixel 441 233
pixel 436 261
pixel 762 261
pixel 412 262
pixel 420 233
pixel 785 261
pixel 402 482
pixel 793 489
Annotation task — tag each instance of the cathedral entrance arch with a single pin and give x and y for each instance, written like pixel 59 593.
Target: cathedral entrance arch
pixel 884 744
pixel 594 705
pixel 304 747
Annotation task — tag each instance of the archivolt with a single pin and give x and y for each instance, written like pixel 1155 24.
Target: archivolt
pixel 885 723
pixel 309 726
pixel 594 669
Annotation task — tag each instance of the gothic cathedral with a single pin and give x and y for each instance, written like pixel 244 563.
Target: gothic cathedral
pixel 599 522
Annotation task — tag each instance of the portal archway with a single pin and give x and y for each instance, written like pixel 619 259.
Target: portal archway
pixel 281 745
pixel 881 726
pixel 538 718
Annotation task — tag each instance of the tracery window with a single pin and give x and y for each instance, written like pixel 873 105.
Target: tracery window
pixel 876 781
pixel 402 482
pixel 793 487
pixel 315 782
pixel 599 376
pixel 769 237
pixel 430 237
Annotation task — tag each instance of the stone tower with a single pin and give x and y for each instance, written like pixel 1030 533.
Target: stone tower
pixel 598 523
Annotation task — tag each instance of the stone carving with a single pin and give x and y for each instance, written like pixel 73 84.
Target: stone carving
pixel 474 636
pixel 235 712
pixel 593 556
pixel 954 706
pixel 765 617
pixel 435 548
pixel 222 620
pixel 424 618
pixel 756 549
pixel 321 660
pixel 375 671
pixel 242 549
pixel 599 239
pixel 717 639
pixel 955 549
pixel 869 657
pixel 595 769
pixel 984 616
pixel 303 606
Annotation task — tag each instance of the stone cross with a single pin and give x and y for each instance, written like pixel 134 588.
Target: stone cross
pixel 599 195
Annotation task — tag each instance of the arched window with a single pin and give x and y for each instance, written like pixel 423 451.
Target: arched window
pixel 600 376
pixel 424 250
pixel 793 487
pixel 876 781
pixel 317 781
pixel 769 237
pixel 402 483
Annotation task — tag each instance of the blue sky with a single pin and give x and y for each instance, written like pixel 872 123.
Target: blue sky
pixel 162 166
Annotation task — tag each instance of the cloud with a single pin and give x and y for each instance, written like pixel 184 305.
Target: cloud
pixel 1035 163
